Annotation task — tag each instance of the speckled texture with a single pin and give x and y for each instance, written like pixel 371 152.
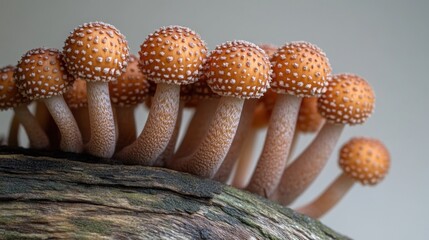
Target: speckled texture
pixel 9 94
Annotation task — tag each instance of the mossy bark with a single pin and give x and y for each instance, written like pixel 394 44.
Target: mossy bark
pixel 53 195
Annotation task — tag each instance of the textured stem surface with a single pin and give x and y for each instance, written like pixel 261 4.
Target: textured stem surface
pixel 303 171
pixel 127 132
pixel 12 140
pixel 82 119
pixel 277 144
pixel 71 139
pixel 224 172
pixel 103 136
pixel 48 125
pixel 37 137
pixel 158 129
pixel 212 150
pixel 197 127
pixel 329 198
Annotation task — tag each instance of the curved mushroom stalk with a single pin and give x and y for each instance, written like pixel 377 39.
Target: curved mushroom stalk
pixel 12 140
pixel 126 122
pixel 303 171
pixel 273 159
pixel 212 150
pixel 37 137
pixel 81 115
pixel 329 198
pixel 158 129
pixel 71 138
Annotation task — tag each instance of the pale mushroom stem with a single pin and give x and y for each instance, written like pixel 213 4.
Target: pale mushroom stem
pixel 126 122
pixel 275 153
pixel 295 140
pixel 37 137
pixel 247 162
pixel 48 125
pixel 307 166
pixel 197 127
pixel 71 138
pixel 103 137
pixel 81 115
pixel 329 198
pixel 224 172
pixel 158 129
pixel 211 152
pixel 12 140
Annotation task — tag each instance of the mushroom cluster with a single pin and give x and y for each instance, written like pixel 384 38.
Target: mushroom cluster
pixel 235 90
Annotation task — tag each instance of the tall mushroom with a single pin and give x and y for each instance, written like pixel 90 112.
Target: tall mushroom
pixel 170 56
pixel 98 53
pixel 300 69
pixel 11 98
pixel 349 99
pixel 237 70
pixel 40 75
pixel 365 160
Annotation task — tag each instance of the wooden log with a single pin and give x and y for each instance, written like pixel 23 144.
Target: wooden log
pixel 54 195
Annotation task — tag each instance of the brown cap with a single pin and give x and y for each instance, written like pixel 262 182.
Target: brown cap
pixel 76 96
pixel 309 119
pixel 9 95
pixel 269 49
pixel 41 74
pixel 173 55
pixel 96 52
pixel 240 69
pixel 201 88
pixel 349 99
pixel 131 88
pixel 300 69
pixel 365 159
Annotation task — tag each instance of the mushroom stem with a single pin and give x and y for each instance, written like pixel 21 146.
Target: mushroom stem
pixel 197 127
pixel 329 198
pixel 293 146
pixel 169 150
pixel 71 138
pixel 12 140
pixel 37 137
pixel 126 122
pixel 103 140
pixel 307 166
pixel 211 152
pixel 247 162
pixel 222 175
pixel 277 144
pixel 82 119
pixel 48 125
pixel 158 129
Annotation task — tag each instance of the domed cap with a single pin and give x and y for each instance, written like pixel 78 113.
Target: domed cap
pixel 41 74
pixel 349 99
pixel 240 69
pixel 309 119
pixel 364 159
pixel 300 69
pixel 173 55
pixel 269 49
pixel 131 88
pixel 96 52
pixel 9 95
pixel 201 88
pixel 76 96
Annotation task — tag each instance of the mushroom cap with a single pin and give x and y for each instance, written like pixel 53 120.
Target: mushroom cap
pixel 172 55
pixel 309 119
pixel 264 108
pixel 76 96
pixel 301 69
pixel 240 69
pixel 269 49
pixel 131 88
pixel 201 88
pixel 349 99
pixel 96 51
pixel 366 160
pixel 9 94
pixel 41 74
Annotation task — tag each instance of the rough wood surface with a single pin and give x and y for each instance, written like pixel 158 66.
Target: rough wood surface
pixel 45 195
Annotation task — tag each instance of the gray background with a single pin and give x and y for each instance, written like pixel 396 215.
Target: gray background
pixel 383 41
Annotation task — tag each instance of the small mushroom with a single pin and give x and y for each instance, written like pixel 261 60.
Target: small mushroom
pixel 40 75
pixel 350 100
pixel 98 53
pixel 11 98
pixel 363 160
pixel 170 56
pixel 237 70
pixel 300 69
pixel 13 140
